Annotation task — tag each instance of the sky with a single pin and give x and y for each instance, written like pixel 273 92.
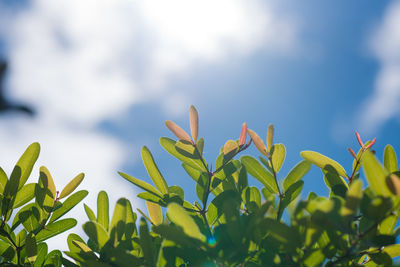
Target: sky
pixel 104 75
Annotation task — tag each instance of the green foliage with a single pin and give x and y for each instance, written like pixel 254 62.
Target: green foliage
pixel 36 212
pixel 231 223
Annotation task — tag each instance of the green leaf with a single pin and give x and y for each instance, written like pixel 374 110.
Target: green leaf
pixel 278 154
pixel 47 181
pixel 322 161
pixel 22 169
pixel 333 180
pixel 392 250
pixel 284 234
pixel 200 145
pixel 96 233
pixel 68 204
pixel 55 228
pixel 145 243
pixel 375 174
pixel 41 254
pixel 353 198
pixel 26 194
pixel 296 173
pixel 153 171
pixel 31 248
pixel 170 146
pixel 290 194
pixel 119 214
pixel 180 217
pixel 71 186
pixel 139 183
pixel 252 198
pixel 390 159
pixel 89 213
pixel 102 209
pixel 150 197
pixel 270 137
pixel 260 173
pixel 29 216
pixel 54 259
pixel 3 180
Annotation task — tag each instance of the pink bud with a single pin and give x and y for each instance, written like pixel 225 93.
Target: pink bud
pixel 352 153
pixel 359 139
pixel 371 144
pixel 243 134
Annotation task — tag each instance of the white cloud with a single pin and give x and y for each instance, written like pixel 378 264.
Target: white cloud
pixel 81 62
pixel 383 104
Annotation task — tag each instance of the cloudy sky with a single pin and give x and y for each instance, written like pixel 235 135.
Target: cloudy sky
pixel 104 75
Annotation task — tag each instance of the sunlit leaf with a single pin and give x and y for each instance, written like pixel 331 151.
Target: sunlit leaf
pixel 68 204
pixel 259 172
pixel 194 123
pixel 270 137
pixel 26 194
pixel 3 180
pixel 47 181
pixel 54 258
pixel 258 142
pixel 89 213
pixel 230 149
pixel 102 209
pixel 277 154
pixel 55 228
pixel 390 159
pixel 139 183
pixel 393 183
pixel 375 174
pixel 72 185
pixel 153 171
pixel 41 254
pixel 177 131
pixel 322 161
pixel 353 198
pixel 155 212
pixel 180 217
pixel 96 233
pixel 296 173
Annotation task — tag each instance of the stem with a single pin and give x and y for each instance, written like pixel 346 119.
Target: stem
pixel 276 180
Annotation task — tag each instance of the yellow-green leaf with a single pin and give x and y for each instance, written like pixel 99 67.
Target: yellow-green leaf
pixel 26 194
pixel 375 174
pixel 296 173
pixel 25 164
pixel 260 173
pixel 393 183
pixel 155 212
pixel 153 171
pixel 322 161
pixel 139 183
pixel 353 198
pixel 390 159
pixel 102 209
pixel 180 217
pixel 71 186
pixel 47 180
pixel 278 154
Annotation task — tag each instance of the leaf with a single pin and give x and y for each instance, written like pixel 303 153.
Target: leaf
pixel 258 142
pixel 31 248
pixel 290 194
pixel 353 198
pixel 89 213
pixel 296 173
pixel 375 174
pixel 393 183
pixel 41 254
pixel 284 234
pixel 200 145
pixel 102 209
pixel 3 180
pixel 170 146
pixel 68 204
pixel 55 228
pixel 155 213
pixel 322 161
pixel 119 214
pixel 252 198
pixel 71 186
pixel 260 173
pixel 29 216
pixel 179 216
pixel 96 233
pixel 392 250
pixel 277 154
pixel 54 259
pixel 150 197
pixel 177 131
pixel 153 171
pixel 333 180
pixel 390 159
pixel 24 166
pixel 139 183
pixel 26 194
pixel 270 137
pixel 194 123
pixel 145 243
pixel 47 181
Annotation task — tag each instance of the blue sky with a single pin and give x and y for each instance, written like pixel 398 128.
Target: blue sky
pixel 105 75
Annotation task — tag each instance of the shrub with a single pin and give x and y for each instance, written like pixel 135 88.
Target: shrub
pixel 232 223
